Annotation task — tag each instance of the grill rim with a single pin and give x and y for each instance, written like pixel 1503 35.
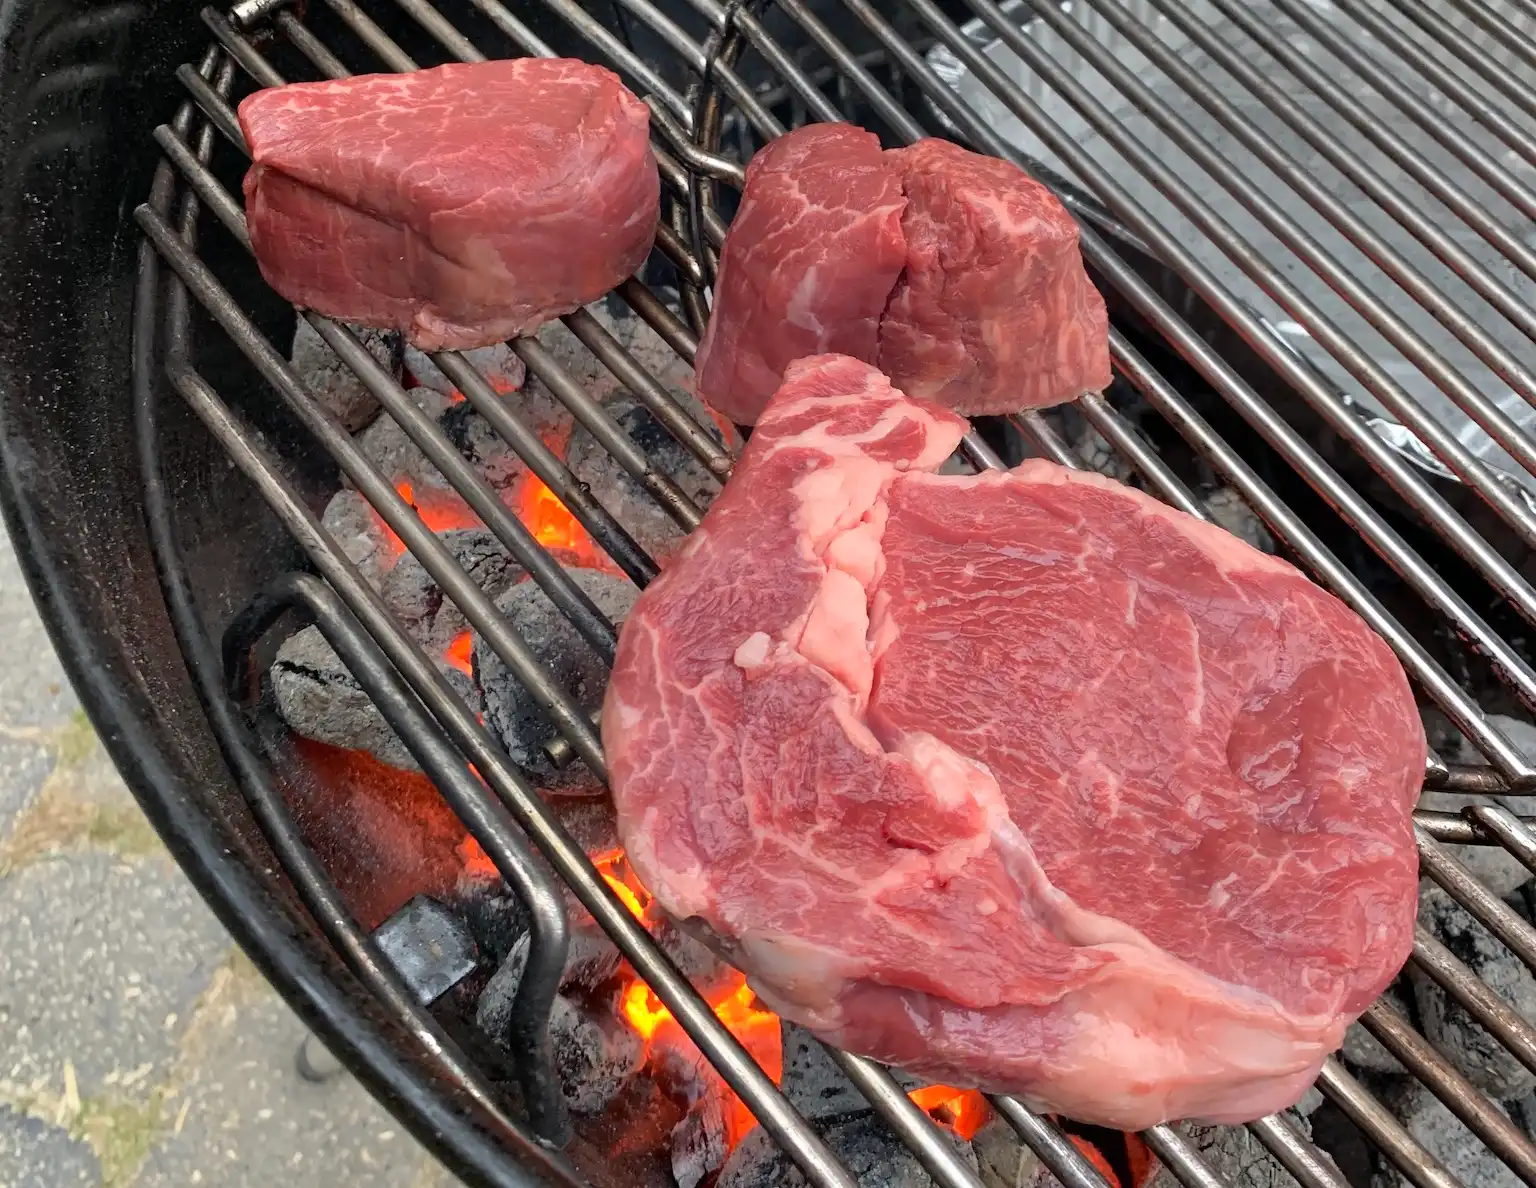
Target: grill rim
pixel 13 517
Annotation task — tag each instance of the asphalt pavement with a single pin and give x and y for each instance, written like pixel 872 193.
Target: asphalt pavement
pixel 139 1048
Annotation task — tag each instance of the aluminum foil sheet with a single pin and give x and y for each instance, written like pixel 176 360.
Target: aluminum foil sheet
pixel 1383 110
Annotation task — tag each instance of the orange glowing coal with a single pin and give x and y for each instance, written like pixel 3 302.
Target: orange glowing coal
pixel 440 511
pixel 965 1111
pixel 458 652
pixel 551 524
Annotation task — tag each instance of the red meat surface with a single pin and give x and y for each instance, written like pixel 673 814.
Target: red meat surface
pixel 463 205
pixel 955 273
pixel 1023 780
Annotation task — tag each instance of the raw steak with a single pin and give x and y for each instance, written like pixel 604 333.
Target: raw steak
pixel 464 205
pixel 955 273
pixel 807 267
pixel 1022 780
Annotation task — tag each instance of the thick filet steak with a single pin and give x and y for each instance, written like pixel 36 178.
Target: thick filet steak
pixel 955 273
pixel 463 205
pixel 1022 780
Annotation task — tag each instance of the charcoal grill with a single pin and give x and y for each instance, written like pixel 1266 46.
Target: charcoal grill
pixel 161 569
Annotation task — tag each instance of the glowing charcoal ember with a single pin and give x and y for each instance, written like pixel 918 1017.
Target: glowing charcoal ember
pixel 964 1111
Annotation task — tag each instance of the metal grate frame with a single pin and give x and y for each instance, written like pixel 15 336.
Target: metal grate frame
pixel 690 128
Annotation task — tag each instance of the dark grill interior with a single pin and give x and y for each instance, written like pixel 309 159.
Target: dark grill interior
pixel 1417 514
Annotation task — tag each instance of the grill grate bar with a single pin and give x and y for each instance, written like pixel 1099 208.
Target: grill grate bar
pixel 1448 36
pixel 488 822
pixel 1413 282
pixel 937 1155
pixel 310 46
pixel 1073 1170
pixel 741 17
pixel 1372 1117
pixel 1311 1168
pixel 1176 1151
pixel 1458 1094
pixel 1460 708
pixel 1491 911
pixel 399 515
pixel 1463 1099
pixel 1498 25
pixel 1475 158
pixel 1408 484
pixel 738 1068
pixel 1432 178
pixel 1440 439
pixel 1426 230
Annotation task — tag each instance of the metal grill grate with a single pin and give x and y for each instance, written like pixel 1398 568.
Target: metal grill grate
pixel 920 65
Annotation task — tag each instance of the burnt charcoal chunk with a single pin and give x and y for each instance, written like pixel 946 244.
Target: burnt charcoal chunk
pixel 1005 1161
pixel 321 700
pixel 1481 1058
pixel 866 1146
pixel 430 947
pixel 700 1143
pixel 333 384
pixel 1229 510
pixel 414 595
pixel 360 534
pixel 510 710
pixel 595 1056
pixel 1236 1156
pixel 653 529
pixel 1445 1137
pixel 814 1084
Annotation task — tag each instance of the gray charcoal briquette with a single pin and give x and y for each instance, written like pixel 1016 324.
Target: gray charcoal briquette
pixel 335 385
pixel 1479 1057
pixel 511 712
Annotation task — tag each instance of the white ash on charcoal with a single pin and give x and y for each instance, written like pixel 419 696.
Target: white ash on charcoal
pixel 335 385
pixel 865 1144
pixel 814 1084
pixel 595 1053
pixel 511 712
pixel 361 535
pixel 1237 1158
pixel 611 485
pixel 700 1142
pixel 1479 1057
pixel 1364 1052
pixel 432 618
pixel 1097 454
pixel 647 348
pixel 1005 1162
pixel 1228 509
pixel 319 699
pixel 499 364
pixel 1444 1136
